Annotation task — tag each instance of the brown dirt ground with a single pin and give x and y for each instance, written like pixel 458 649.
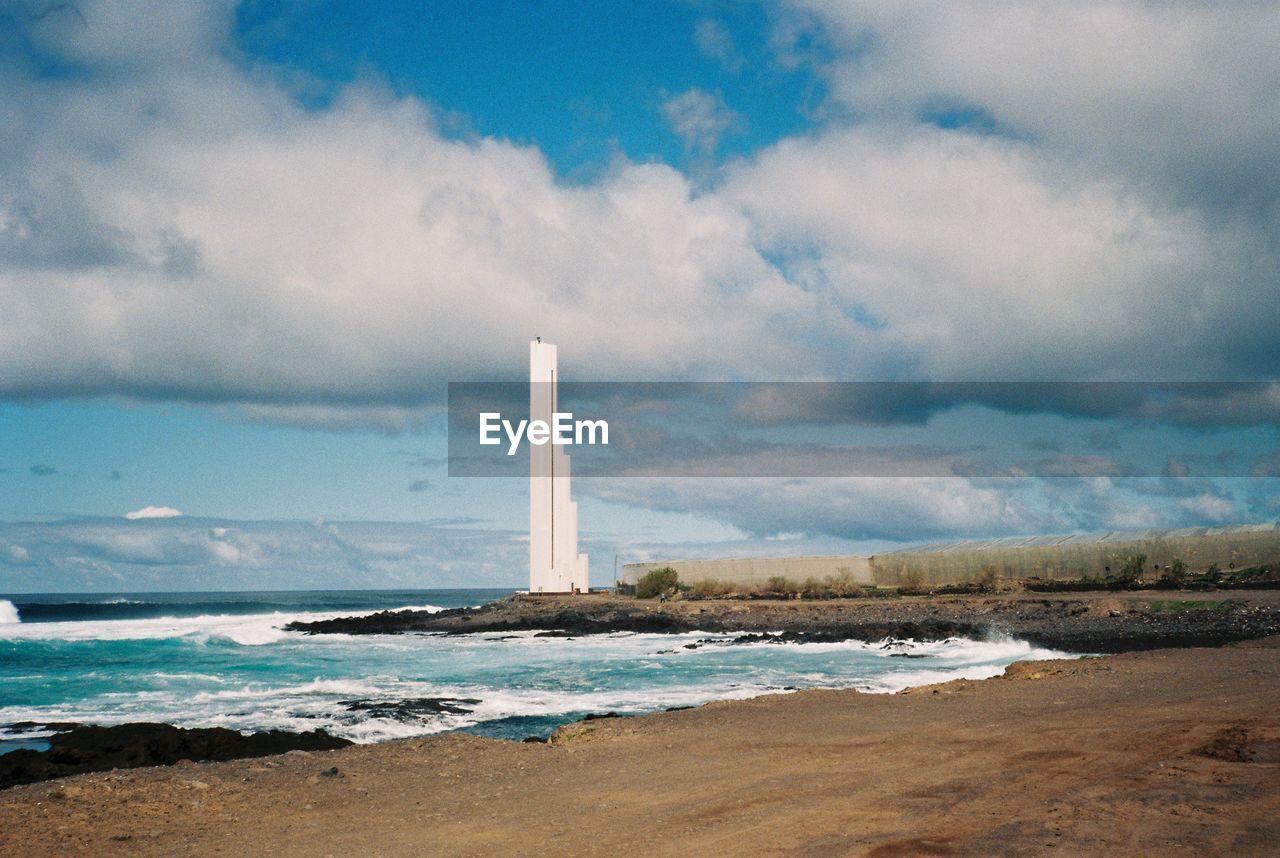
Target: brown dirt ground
pixel 1168 752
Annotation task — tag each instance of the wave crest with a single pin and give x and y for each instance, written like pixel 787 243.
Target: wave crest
pixel 242 629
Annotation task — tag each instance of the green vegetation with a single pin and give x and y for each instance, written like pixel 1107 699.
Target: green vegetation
pixel 1074 585
pixel 1175 573
pixel 1130 574
pixel 656 582
pixel 710 588
pixel 1078 560
pixel 910 579
pixel 782 585
pixel 569 735
pixel 840 586
pixel 843 584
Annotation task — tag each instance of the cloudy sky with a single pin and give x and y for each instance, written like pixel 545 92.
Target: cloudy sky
pixel 244 246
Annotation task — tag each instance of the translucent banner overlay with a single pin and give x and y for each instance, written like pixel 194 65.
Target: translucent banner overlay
pixel 874 429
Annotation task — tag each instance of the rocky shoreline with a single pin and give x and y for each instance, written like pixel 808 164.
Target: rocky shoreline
pixel 1102 622
pixel 79 748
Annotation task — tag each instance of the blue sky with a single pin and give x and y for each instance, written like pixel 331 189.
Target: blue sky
pixel 583 83
pixel 244 245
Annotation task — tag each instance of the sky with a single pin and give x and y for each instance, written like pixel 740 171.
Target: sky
pixel 244 247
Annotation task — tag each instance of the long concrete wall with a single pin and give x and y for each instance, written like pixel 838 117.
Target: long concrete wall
pixel 757 570
pixel 1069 559
pixel 1062 557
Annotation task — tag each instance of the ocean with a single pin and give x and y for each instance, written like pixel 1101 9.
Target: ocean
pixel 223 659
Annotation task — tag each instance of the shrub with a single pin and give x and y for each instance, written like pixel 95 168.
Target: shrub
pixel 1175 573
pixel 1213 574
pixel 781 585
pixel 709 588
pixel 813 588
pixel 843 584
pixel 657 581
pixel 987 578
pixel 1131 571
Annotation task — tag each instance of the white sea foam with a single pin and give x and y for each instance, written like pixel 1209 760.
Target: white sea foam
pixel 510 675
pixel 199 677
pixel 956 651
pixel 347 688
pixel 325 703
pixel 968 650
pixel 8 613
pixel 243 629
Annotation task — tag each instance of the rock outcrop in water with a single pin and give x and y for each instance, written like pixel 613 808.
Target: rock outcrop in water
pixel 80 748
pixel 412 708
pixel 1079 622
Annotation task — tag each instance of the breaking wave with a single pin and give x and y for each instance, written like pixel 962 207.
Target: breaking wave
pixel 243 629
pixel 246 673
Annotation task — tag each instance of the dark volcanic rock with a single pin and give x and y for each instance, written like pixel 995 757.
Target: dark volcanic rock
pixel 95 749
pixel 410 709
pixel 506 615
pixel 1073 623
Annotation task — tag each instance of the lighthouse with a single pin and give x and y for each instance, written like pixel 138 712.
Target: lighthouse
pixel 555 566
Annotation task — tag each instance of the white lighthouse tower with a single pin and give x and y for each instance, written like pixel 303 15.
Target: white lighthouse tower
pixel 555 566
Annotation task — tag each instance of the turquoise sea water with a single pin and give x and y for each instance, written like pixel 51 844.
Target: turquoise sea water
pixel 222 659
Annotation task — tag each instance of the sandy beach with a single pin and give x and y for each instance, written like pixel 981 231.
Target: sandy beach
pixel 1173 752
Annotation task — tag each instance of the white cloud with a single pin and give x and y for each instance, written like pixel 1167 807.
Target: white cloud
pixel 924 509
pixel 1210 506
pixel 175 225
pixel 1180 92
pixel 153 512
pixel 101 555
pixel 970 256
pixel 715 41
pixel 699 118
pixel 894 508
pixel 239 247
pixel 18 555
pixel 389 419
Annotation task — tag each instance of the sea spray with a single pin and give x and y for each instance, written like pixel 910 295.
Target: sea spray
pixel 8 613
